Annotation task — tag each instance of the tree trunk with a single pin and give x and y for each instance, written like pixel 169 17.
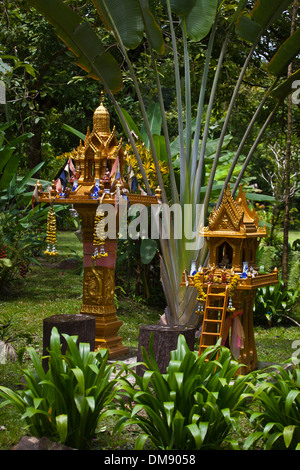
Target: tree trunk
pixel 287 175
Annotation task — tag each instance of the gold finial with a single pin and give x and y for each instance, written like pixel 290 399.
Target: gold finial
pixel 101 119
pixel 158 192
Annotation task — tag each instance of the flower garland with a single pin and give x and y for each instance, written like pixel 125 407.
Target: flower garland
pixel 99 236
pixel 232 285
pixel 51 233
pixel 201 294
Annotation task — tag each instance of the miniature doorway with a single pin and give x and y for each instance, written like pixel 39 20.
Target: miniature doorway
pixel 224 255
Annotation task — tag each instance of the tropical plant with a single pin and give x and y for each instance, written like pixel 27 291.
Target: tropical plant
pixel 66 402
pixel 277 423
pixel 193 406
pixel 16 222
pixel 21 224
pixel 275 303
pixel 131 21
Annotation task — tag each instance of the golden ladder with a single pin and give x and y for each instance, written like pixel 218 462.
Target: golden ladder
pixel 214 317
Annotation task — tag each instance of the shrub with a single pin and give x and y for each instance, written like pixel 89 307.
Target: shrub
pixel 65 403
pixel 193 406
pixel 277 424
pixel 274 303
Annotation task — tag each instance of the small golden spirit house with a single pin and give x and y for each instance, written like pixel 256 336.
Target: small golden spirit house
pixel 96 159
pixel 231 279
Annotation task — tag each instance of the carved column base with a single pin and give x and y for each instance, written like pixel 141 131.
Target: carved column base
pixel 107 326
pixel 98 300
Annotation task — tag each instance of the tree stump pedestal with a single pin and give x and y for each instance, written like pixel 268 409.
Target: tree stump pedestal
pixel 79 325
pixel 164 341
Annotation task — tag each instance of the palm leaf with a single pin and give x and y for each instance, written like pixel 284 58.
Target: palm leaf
pixel 82 41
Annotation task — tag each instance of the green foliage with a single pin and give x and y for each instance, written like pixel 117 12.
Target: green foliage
pixel 21 225
pixel 193 406
pixel 9 161
pixel 19 238
pixel 214 28
pixel 66 402
pixel 275 302
pixel 277 423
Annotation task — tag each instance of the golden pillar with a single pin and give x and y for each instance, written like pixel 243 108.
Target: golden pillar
pixel 99 286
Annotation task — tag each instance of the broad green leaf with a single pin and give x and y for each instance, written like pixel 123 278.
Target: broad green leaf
pixel 160 147
pixel 152 29
pixel 200 19
pixel 7 150
pixel 179 376
pixel 37 402
pixel 26 178
pixel 272 439
pixel 266 12
pixel 74 131
pixel 285 55
pixel 288 434
pixel 148 250
pixel 125 16
pixel 247 29
pixel 178 428
pixel 259 197
pixel 5 154
pixel 140 441
pixel 169 410
pixel 290 85
pixel 82 41
pixel 62 427
pixel 263 14
pixel 91 403
pixel 155 120
pixel 180 7
pixel 198 432
pixel 131 124
pixel 251 439
pixel 12 397
pixel 36 362
pixel 290 400
pixel 31 411
pixel 9 171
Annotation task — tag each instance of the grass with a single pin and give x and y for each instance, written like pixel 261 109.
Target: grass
pixel 276 344
pixel 55 288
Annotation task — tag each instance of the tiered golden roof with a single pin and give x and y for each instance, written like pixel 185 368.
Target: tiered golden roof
pixel 96 157
pixel 233 218
pixel 99 163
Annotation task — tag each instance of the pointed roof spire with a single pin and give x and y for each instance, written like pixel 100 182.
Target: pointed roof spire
pixel 101 118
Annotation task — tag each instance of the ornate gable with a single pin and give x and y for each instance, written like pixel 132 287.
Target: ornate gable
pixel 228 217
pixel 250 218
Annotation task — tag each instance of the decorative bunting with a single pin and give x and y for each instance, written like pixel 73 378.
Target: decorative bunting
pixel 114 167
